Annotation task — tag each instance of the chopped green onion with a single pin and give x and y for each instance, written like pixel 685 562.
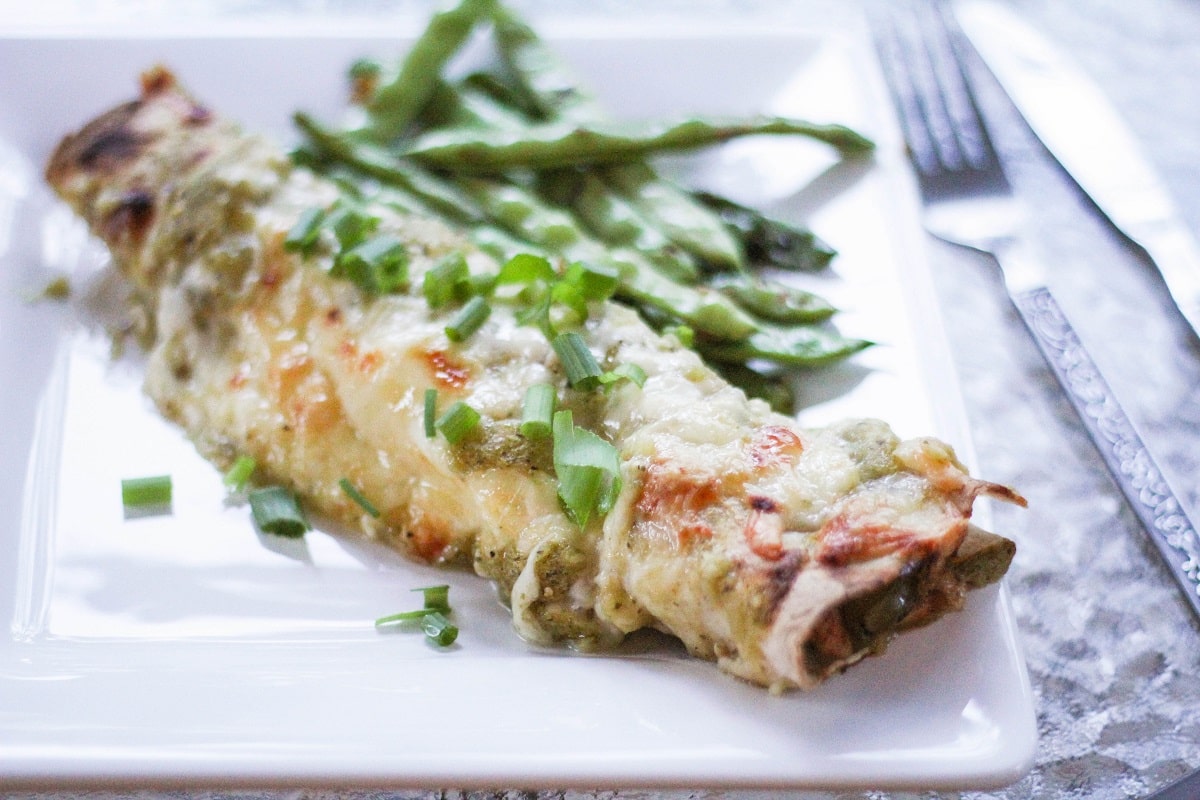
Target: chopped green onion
pixel 468 319
pixel 580 365
pixel 378 265
pixel 568 295
pixel 438 629
pixel 350 224
pixel 403 616
pixel 437 598
pixel 625 372
pixel 447 281
pixel 526 268
pixel 537 277
pixel 276 510
pixel 357 497
pixel 537 311
pixel 430 413
pixel 303 235
pixel 436 626
pixel 480 283
pixel 459 420
pixel 588 470
pixel 140 494
pixel 239 474
pixel 594 282
pixel 537 411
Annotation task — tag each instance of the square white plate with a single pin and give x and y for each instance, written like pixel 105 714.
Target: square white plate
pixel 186 650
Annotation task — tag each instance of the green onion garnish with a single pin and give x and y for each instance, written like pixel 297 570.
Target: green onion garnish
pixel 141 494
pixel 588 470
pixel 526 268
pixel 378 265
pixel 571 303
pixel 625 372
pixel 430 413
pixel 431 617
pixel 438 629
pixel 468 319
pixel 403 616
pixel 275 510
pixel 582 370
pixel 437 598
pixel 354 494
pixel 351 225
pixel 239 474
pixel 459 420
pixel 537 411
pixel 303 235
pixel 436 626
pixel 447 281
pixel 593 282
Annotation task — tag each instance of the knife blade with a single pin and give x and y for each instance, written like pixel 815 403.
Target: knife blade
pixel 1088 137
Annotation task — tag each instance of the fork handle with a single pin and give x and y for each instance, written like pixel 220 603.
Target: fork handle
pixel 1164 518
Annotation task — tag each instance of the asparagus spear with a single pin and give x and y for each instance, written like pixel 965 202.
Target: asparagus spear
pixel 606 216
pixel 676 214
pixel 771 242
pixel 382 165
pixel 557 144
pixel 796 346
pixel 773 301
pixel 542 84
pixel 396 103
pixel 616 221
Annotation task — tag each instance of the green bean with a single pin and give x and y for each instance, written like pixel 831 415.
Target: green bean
pixel 676 214
pixel 549 92
pixel 545 228
pixel 463 106
pixel 773 301
pixel 396 103
pixel 704 310
pixel 553 230
pixel 519 211
pixel 382 165
pixel 500 244
pixel 497 89
pixel 798 346
pixel 543 86
pixel 616 222
pixel 604 215
pixel 352 183
pixel 551 145
pixel 771 242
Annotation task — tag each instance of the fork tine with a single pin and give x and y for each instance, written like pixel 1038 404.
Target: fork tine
pixel 937 109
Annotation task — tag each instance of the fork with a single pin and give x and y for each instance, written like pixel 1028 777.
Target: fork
pixel 967 201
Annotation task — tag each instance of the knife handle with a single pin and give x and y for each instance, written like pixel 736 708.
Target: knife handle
pixel 1138 476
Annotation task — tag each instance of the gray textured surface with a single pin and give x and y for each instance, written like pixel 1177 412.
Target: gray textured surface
pixel 1113 652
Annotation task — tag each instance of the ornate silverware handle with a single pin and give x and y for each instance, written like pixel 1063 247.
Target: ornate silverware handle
pixel 1166 521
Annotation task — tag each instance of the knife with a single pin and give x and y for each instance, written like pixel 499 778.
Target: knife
pixel 1088 137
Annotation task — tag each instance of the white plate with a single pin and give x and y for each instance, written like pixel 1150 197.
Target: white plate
pixel 185 650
